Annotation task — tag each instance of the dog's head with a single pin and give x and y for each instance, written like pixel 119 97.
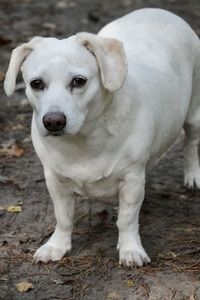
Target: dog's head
pixel 66 79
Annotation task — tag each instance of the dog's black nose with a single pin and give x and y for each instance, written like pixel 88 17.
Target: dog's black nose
pixel 54 121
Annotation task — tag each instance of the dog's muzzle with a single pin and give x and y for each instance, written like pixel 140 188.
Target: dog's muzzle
pixel 54 121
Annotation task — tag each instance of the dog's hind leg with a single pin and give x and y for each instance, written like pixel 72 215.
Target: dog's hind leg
pixel 191 158
pixel 192 138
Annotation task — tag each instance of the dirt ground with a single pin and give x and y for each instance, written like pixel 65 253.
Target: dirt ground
pixel 170 224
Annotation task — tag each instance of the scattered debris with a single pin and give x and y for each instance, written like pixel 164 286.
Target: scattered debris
pixel 2 76
pixel 24 102
pixel 18 127
pixel 50 26
pixel 61 4
pixel 10 148
pixel 114 296
pixel 130 283
pixel 4 179
pixel 14 209
pixel 24 286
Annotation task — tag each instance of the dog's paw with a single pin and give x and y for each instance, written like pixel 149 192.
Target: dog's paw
pixel 49 253
pixel 133 257
pixel 192 180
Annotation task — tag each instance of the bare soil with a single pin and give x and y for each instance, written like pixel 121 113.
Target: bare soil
pixel 170 224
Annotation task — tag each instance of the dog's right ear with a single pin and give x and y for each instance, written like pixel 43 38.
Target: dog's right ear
pixel 110 57
pixel 18 56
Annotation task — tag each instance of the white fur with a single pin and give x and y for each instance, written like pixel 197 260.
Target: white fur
pixel 118 124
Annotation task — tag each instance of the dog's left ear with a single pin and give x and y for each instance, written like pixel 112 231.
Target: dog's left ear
pixel 18 56
pixel 110 57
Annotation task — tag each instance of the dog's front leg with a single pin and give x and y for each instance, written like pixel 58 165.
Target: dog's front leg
pixel 131 195
pixel 60 241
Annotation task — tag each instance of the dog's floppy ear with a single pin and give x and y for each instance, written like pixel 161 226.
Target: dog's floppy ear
pixel 110 57
pixel 18 56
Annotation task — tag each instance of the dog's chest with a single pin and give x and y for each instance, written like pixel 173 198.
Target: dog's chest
pixel 81 171
pixel 95 179
pixel 105 187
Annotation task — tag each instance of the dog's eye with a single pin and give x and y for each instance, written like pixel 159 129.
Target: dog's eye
pixel 78 82
pixel 37 84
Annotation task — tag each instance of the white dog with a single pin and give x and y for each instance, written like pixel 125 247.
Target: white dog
pixel 106 107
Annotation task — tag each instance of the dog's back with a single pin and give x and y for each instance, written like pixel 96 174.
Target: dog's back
pixel 160 48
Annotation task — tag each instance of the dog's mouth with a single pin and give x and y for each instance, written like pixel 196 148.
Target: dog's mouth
pixel 56 133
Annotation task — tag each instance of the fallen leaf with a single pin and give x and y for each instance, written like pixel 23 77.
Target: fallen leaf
pixel 2 76
pixel 18 127
pixel 113 296
pixel 48 25
pixel 58 281
pixel 13 239
pixel 167 255
pixel 14 208
pixel 21 117
pixel 130 283
pixel 17 151
pixel 61 4
pixel 12 150
pixel 24 286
